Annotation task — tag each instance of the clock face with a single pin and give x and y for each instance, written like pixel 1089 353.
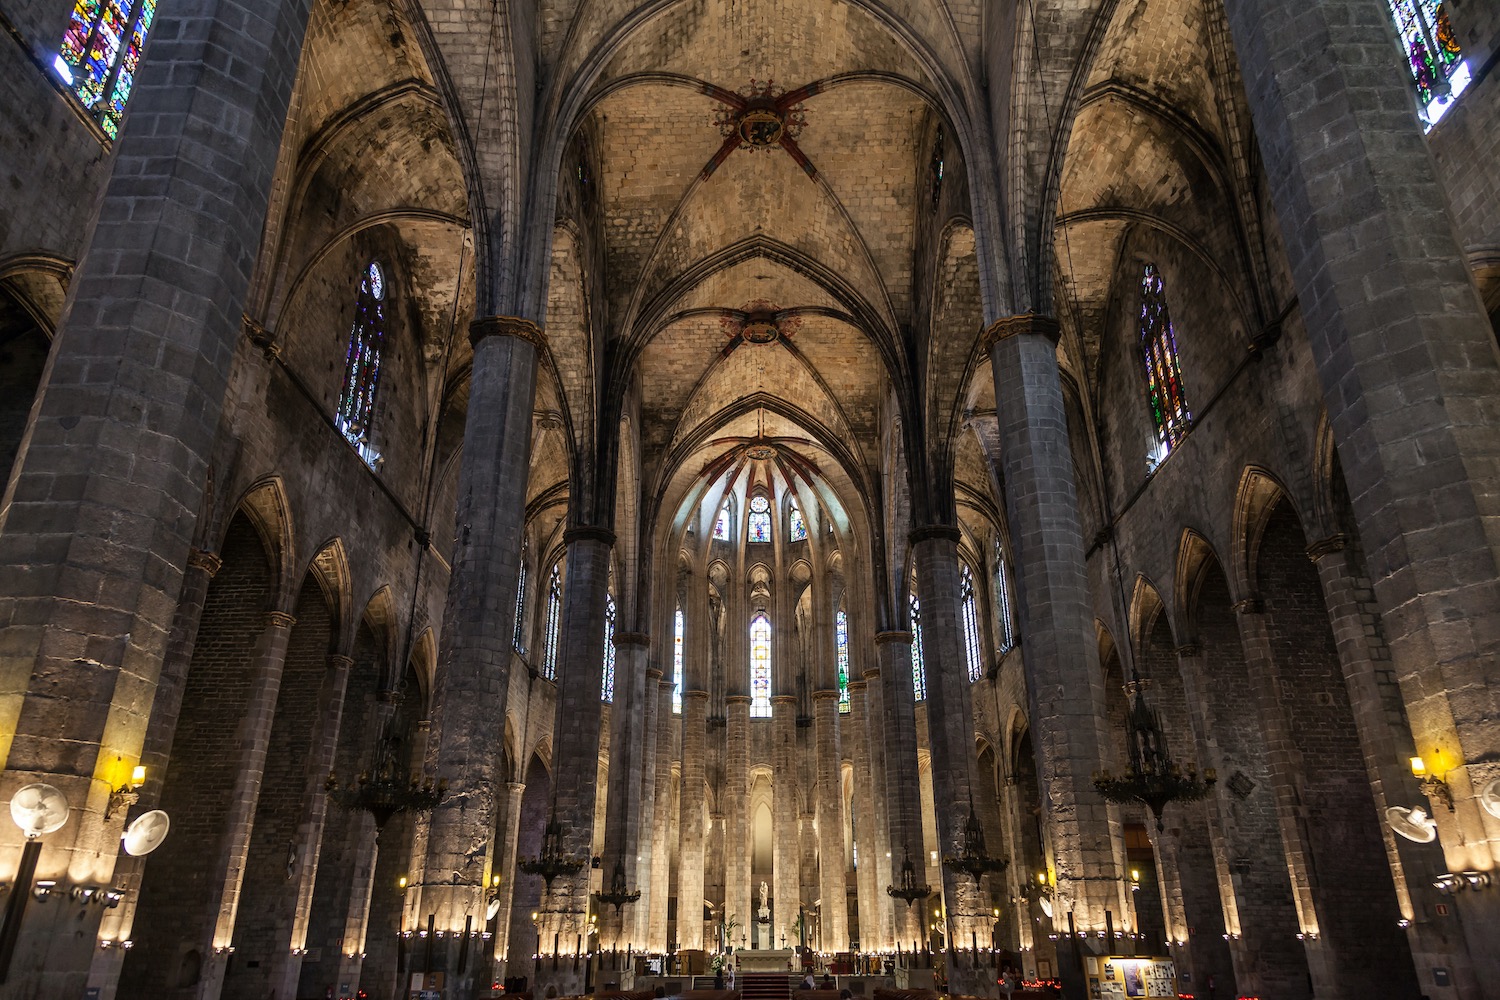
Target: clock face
pixel 761 128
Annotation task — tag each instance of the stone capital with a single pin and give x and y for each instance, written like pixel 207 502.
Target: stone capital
pixel 872 674
pixel 737 699
pixel 653 674
pixel 640 639
pixel 935 532
pixel 1189 649
pixel 1250 606
pixel 338 661
pixel 506 326
pixel 201 559
pixel 1014 326
pixel 826 695
pixel 589 533
pixel 892 637
pixel 262 338
pixel 278 619
pixel 1327 546
pixel 783 699
pixel 695 695
pixel 858 685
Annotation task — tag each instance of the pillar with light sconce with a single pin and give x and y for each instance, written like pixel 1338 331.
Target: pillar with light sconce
pixel 128 794
pixel 1434 786
pixel 38 810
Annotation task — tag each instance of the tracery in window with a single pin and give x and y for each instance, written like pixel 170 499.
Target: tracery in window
pixel 918 667
pixel 721 524
pixel 677 661
pixel 971 624
pixel 841 632
pixel 520 604
pixel 1433 55
pixel 362 366
pixel 554 626
pixel 607 689
pixel 760 518
pixel 1005 618
pixel 797 527
pixel 100 53
pixel 1169 409
pixel 760 667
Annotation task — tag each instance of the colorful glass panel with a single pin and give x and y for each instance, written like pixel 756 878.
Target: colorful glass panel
pixel 721 524
pixel 101 52
pixel 971 624
pixel 760 519
pixel 760 667
pixel 841 631
pixel 918 667
pixel 677 662
pixel 520 604
pixel 607 689
pixel 1169 409
pixel 797 526
pixel 362 365
pixel 1005 619
pixel 1433 55
pixel 554 626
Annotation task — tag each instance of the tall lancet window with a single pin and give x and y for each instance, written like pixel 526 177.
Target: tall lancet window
pixel 607 689
pixel 971 624
pixel 918 667
pixel 796 527
pixel 841 635
pixel 1433 55
pixel 760 667
pixel 1005 617
pixel 554 625
pixel 362 366
pixel 677 661
pixel 520 604
pixel 1169 409
pixel 100 53
pixel 721 524
pixel 760 518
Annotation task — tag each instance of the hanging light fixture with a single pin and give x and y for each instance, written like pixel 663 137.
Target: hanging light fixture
pixel 389 790
pixel 1153 776
pixel 972 859
pixel 552 862
pixel 618 895
pixel 909 890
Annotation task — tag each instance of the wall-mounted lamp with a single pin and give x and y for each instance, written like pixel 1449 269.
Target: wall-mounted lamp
pixel 127 794
pixel 1135 880
pixel 42 888
pixel 1450 882
pixel 1433 786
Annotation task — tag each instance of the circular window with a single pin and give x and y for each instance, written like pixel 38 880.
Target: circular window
pixel 377 281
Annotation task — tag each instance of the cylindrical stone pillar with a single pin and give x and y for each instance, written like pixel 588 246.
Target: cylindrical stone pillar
pixel 661 821
pixel 830 813
pixel 786 854
pixel 736 803
pixel 643 850
pixel 882 906
pixel 903 797
pixel 622 805
pixel 690 821
pixel 865 865
pixel 504 865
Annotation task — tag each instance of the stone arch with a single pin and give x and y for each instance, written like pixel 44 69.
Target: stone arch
pixel 264 503
pixel 1256 498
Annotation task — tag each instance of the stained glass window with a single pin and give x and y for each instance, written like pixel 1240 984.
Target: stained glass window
pixel 721 524
pixel 1005 619
pixel 1432 53
pixel 677 662
pixel 935 170
pixel 554 626
pixel 760 519
pixel 1169 409
pixel 100 53
pixel 918 668
pixel 798 527
pixel 760 667
pixel 362 367
pixel 608 688
pixel 520 603
pixel 971 624
pixel 841 633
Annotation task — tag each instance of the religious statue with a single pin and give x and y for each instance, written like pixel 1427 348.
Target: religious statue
pixel 764 913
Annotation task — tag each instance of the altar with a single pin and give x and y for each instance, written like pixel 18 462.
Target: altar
pixel 771 960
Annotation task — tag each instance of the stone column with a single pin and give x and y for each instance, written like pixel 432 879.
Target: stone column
pixel 866 871
pixel 575 753
pixel 622 805
pixel 351 959
pixel 830 813
pixel 1374 700
pixel 504 865
pixel 1064 685
pixel 879 822
pixel 903 800
pixel 1407 360
pixel 690 821
pixel 661 821
pixel 739 901
pixel 785 806
pixel 472 684
pixel 643 849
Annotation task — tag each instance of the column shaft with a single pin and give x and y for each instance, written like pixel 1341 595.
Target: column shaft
pixel 786 806
pixel 627 728
pixel 660 892
pixel 830 812
pixel 902 785
pixel 865 852
pixel 736 803
pixel 504 865
pixel 879 821
pixel 690 821
pixel 643 851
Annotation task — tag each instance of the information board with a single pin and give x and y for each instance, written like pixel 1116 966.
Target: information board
pixel 1140 978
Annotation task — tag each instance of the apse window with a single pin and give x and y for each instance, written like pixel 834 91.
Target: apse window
pixel 1004 616
pixel 677 661
pixel 760 667
pixel 1433 56
pixel 841 635
pixel 554 626
pixel 721 524
pixel 1163 369
pixel 100 53
pixel 362 366
pixel 520 604
pixel 607 687
pixel 918 666
pixel 797 527
pixel 970 608
pixel 760 519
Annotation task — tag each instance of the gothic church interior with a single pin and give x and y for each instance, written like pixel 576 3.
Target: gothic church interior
pixel 552 493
